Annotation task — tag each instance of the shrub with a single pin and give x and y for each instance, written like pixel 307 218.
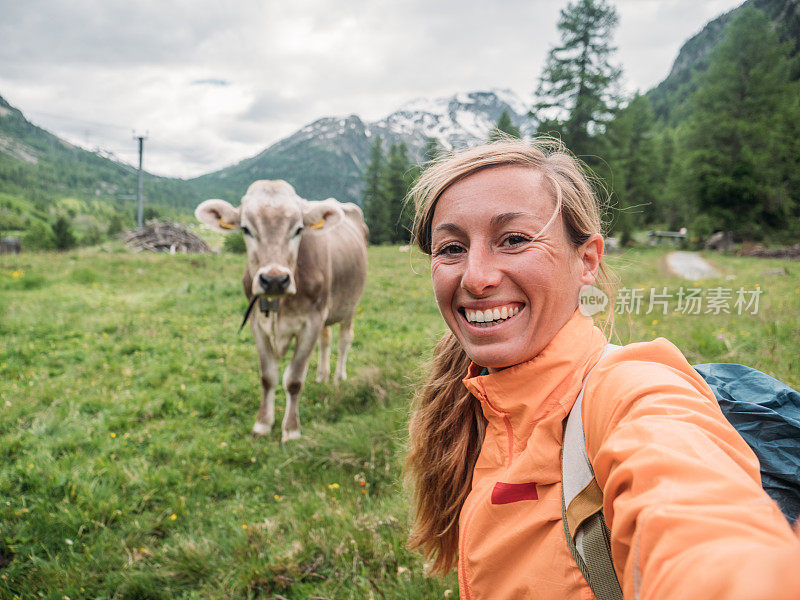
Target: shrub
pixel 62 234
pixel 39 237
pixel 702 228
pixel 234 242
pixel 115 225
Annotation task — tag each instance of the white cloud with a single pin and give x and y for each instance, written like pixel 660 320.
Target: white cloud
pixel 95 70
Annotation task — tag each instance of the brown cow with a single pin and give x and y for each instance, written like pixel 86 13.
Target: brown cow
pixel 309 259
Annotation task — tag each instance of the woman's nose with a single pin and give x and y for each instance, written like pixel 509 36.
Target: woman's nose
pixel 480 273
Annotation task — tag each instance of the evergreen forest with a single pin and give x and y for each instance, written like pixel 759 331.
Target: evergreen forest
pixel 713 148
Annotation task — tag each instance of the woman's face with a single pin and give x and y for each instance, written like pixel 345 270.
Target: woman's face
pixel 503 293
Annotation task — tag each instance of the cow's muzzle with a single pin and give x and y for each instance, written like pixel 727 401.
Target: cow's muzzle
pixel 273 280
pixel 274 285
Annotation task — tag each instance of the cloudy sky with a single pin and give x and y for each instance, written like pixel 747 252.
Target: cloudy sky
pixel 214 82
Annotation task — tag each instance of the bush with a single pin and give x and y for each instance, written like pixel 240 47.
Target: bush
pixel 150 213
pixel 39 237
pixel 92 236
pixel 115 225
pixel 234 242
pixel 62 234
pixel 702 228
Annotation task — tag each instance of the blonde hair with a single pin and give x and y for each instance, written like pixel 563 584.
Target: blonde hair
pixel 447 425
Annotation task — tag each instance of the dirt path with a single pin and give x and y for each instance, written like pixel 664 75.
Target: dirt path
pixel 690 265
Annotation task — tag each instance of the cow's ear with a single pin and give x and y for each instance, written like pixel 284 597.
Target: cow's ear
pixel 218 214
pixel 322 215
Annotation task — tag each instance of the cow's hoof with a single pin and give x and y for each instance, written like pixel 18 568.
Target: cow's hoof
pixel 260 429
pixel 339 378
pixel 290 435
pixel 323 378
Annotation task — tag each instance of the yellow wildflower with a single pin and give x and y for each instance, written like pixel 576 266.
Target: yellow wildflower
pixel 173 516
pixel 333 486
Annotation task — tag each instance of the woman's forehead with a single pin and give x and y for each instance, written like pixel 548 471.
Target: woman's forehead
pixel 506 192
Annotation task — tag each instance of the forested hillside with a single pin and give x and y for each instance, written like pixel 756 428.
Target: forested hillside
pixel 715 145
pixel 669 96
pixel 43 178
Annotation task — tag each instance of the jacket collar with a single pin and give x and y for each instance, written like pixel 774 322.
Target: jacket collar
pixel 528 392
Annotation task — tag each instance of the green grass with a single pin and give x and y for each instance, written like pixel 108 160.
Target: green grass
pixel 127 397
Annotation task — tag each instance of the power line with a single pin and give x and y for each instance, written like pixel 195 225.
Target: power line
pixel 75 119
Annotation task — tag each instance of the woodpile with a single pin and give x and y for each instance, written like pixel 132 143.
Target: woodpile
pixel 165 236
pixel 790 252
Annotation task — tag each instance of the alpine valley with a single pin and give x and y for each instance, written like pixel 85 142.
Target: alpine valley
pixel 42 176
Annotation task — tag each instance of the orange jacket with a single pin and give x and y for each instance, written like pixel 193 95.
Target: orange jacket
pixel 682 492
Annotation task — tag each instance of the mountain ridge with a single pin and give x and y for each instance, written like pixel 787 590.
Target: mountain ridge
pixel 340 145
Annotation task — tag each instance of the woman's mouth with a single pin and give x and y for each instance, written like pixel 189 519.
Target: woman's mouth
pixel 490 316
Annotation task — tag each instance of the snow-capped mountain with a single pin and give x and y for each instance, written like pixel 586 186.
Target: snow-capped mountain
pixel 456 121
pixel 328 157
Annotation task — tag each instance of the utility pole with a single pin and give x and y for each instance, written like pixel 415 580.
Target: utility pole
pixel 139 195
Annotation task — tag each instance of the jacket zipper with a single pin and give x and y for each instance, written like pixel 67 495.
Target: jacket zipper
pixel 462 560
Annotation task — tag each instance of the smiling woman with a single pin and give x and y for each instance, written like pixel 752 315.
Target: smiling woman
pixel 513 231
pixel 489 259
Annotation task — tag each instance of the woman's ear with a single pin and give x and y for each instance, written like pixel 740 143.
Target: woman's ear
pixel 590 254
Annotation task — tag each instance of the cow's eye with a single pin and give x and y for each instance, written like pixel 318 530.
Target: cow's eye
pixel 246 231
pixel 298 231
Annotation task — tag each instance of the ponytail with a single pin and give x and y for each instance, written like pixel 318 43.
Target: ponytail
pixel 446 432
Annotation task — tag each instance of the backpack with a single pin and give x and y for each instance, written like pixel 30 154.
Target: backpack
pixel 765 412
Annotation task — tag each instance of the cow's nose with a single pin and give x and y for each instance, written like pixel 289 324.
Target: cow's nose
pixel 274 284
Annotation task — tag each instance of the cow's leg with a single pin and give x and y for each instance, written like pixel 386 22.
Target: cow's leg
pixel 345 339
pixel 324 364
pixel 268 369
pixel 294 376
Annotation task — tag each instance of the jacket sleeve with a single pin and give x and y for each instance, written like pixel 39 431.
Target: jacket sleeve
pixel 681 489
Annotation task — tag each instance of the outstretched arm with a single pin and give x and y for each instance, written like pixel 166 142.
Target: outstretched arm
pixel 682 490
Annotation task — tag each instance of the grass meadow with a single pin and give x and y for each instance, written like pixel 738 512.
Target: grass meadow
pixel 127 469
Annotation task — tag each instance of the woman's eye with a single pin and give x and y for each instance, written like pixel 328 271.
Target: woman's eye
pixel 245 230
pixel 449 250
pixel 515 240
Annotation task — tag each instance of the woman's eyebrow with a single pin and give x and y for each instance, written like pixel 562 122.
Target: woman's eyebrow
pixel 504 218
pixel 448 228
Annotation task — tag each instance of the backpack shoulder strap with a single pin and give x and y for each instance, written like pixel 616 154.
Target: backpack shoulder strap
pixel 587 534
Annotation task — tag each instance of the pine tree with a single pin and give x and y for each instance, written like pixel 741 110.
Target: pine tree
pixel 578 81
pixel 741 140
pixel 373 197
pixel 397 181
pixel 633 157
pixel 673 208
pixel 504 128
pixel 62 233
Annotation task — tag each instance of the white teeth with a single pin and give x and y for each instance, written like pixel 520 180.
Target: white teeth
pixel 490 315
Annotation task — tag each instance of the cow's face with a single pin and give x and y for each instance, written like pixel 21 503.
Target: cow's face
pixel 273 220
